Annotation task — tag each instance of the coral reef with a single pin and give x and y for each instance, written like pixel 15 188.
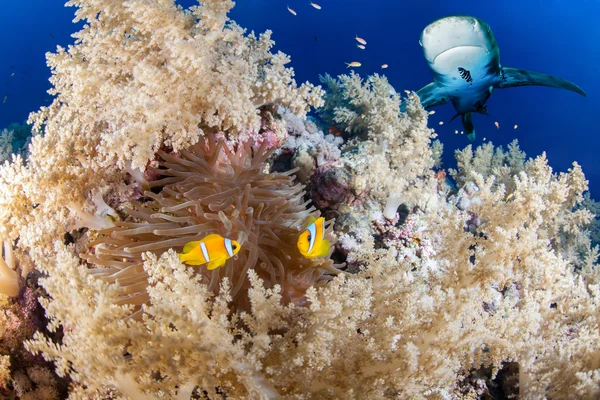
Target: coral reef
pixel 488 160
pixel 170 124
pixel 208 189
pixel 390 161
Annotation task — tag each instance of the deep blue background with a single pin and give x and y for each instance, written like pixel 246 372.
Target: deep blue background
pixel 558 37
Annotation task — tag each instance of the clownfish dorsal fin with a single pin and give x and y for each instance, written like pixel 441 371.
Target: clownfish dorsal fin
pixel 211 236
pixel 309 220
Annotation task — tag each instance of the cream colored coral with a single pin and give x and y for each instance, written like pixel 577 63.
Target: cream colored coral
pixel 144 74
pixel 141 75
pixel 403 327
pixel 394 163
pixel 488 160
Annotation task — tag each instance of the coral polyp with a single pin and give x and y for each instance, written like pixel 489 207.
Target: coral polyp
pixel 212 189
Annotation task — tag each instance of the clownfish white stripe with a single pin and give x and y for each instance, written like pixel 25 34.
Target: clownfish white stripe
pixel 204 251
pixel 312 231
pixel 228 247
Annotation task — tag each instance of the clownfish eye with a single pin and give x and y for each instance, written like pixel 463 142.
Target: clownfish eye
pixel 308 237
pixel 233 246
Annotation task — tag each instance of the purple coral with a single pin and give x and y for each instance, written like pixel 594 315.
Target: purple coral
pixel 330 187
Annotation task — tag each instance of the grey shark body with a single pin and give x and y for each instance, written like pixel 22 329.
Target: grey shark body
pixel 464 58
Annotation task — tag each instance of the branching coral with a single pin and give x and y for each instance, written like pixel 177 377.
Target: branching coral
pixel 488 160
pixel 146 73
pixel 566 227
pixel 391 163
pixel 210 189
pixel 404 326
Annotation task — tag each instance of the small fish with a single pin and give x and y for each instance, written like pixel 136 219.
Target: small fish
pixel 360 46
pixel 292 11
pixel 497 125
pixel 431 112
pixel 13 74
pixel 456 131
pixel 441 122
pixel 516 126
pixel 353 64
pixel 214 250
pixel 360 40
pixel 316 39
pixel 5 98
pixel 318 7
pixel 508 197
pixel 52 36
pixel 312 242
pixel 406 91
pixel 384 66
pixel 484 138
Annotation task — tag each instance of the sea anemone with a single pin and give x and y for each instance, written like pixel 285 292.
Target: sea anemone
pixel 211 188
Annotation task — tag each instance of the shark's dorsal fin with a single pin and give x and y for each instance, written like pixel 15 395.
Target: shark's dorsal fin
pixel 514 77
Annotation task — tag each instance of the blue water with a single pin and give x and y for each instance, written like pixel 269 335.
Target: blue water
pixel 558 37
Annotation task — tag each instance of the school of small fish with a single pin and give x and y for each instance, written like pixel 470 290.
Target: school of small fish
pixel 214 250
pixel 362 43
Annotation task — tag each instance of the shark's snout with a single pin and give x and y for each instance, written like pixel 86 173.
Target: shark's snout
pixel 455 31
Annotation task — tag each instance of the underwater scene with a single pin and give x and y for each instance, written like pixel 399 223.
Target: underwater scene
pixel 299 199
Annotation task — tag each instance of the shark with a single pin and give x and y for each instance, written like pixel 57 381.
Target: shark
pixel 464 58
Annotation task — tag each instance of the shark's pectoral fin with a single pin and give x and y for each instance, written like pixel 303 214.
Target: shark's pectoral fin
pixel 513 77
pixel 430 95
pixel 469 128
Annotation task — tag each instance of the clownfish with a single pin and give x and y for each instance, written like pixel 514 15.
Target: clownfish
pixel 312 242
pixel 214 250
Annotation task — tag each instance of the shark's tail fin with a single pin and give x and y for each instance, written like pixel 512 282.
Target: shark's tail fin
pixel 513 77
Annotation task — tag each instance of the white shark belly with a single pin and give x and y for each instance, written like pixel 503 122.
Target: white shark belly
pixel 469 64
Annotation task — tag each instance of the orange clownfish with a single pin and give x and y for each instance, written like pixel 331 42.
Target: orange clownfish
pixel 213 250
pixel 312 242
